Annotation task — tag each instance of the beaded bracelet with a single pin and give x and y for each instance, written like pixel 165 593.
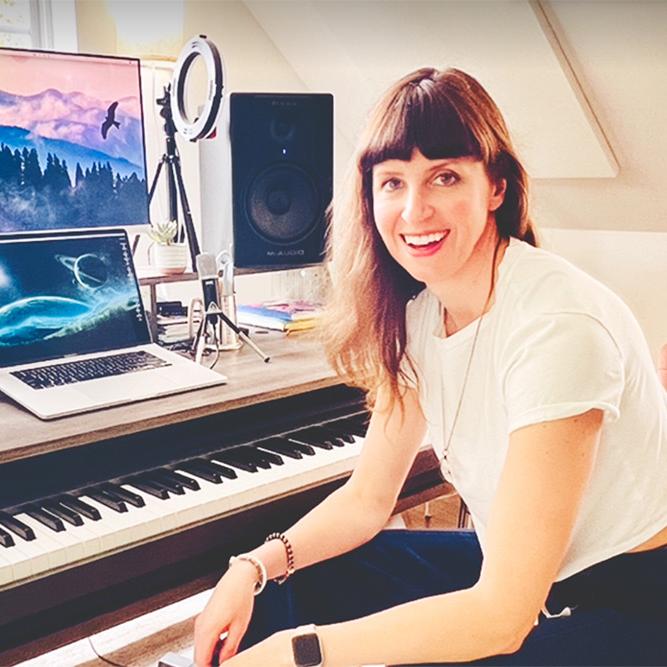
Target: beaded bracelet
pixel 290 556
pixel 259 566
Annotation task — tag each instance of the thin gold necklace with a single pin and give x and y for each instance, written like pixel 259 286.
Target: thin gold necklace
pixel 470 356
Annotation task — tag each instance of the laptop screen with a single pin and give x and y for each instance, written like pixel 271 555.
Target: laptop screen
pixel 64 294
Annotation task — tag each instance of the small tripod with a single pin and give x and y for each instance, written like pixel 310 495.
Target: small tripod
pixel 174 178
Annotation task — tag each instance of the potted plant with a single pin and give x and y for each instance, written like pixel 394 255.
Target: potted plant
pixel 167 256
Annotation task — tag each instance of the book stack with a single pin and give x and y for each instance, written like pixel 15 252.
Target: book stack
pixel 287 316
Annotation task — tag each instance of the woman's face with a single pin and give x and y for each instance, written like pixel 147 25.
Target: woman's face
pixel 432 213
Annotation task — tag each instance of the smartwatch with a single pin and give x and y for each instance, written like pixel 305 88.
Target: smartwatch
pixel 306 647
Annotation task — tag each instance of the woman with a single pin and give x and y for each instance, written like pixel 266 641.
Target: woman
pixel 538 391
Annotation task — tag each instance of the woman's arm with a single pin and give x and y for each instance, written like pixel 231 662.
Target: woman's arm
pixel 347 518
pixel 543 481
pixel 337 525
pixel 546 472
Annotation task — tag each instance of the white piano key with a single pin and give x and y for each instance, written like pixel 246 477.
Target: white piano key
pixel 116 529
pixel 46 544
pixel 15 564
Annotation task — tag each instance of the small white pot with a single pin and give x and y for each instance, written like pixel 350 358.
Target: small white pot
pixel 170 259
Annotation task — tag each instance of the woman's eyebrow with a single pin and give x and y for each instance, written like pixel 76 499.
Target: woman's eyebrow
pixel 446 162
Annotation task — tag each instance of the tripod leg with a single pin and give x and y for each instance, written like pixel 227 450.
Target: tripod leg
pixel 187 215
pixel 157 175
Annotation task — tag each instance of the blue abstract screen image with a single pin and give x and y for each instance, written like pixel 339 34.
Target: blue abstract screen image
pixel 66 295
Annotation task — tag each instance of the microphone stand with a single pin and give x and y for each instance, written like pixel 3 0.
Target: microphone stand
pixel 199 343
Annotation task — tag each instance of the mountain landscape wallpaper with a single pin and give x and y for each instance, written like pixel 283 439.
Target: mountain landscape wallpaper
pixel 71 142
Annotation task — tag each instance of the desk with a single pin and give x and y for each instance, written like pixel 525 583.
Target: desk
pixel 297 367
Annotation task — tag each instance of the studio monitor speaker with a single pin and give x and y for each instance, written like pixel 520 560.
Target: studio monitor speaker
pixel 282 177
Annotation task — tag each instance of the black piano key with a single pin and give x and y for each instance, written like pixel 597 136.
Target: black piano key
pixel 225 471
pixel 302 447
pixel 62 512
pixel 235 460
pixel 147 486
pixel 118 492
pixel 184 480
pixel 112 503
pixel 17 527
pixel 253 455
pixel 270 455
pixel 299 436
pixel 198 469
pixel 76 504
pixel 359 422
pixel 338 430
pixel 161 479
pixel 6 540
pixel 282 446
pixel 317 437
pixel 45 518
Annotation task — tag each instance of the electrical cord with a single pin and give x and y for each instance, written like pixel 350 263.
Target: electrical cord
pixel 101 657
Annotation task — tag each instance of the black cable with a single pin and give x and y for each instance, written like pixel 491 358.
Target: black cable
pixel 101 657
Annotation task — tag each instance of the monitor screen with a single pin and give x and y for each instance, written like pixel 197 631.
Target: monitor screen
pixel 72 151
pixel 84 297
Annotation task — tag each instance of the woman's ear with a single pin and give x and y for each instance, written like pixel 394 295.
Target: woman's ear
pixel 497 197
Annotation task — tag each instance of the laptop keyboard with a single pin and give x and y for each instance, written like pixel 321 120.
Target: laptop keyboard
pixel 89 369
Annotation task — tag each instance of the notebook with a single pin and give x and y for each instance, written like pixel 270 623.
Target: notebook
pixel 73 330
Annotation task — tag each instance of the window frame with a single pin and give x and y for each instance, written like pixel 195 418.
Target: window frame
pixel 52 25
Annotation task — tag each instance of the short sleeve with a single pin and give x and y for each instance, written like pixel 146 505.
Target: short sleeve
pixel 560 365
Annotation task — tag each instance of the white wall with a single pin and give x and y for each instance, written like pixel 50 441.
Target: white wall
pixel 632 264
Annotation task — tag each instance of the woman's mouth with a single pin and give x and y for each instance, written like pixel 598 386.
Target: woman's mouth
pixel 425 244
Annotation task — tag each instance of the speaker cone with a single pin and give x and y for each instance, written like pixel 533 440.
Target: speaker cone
pixel 283 204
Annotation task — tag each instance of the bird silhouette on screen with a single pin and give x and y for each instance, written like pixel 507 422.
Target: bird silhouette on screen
pixel 109 120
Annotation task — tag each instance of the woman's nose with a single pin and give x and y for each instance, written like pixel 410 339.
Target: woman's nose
pixel 416 206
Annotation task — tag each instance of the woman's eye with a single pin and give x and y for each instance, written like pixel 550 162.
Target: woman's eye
pixel 391 184
pixel 446 178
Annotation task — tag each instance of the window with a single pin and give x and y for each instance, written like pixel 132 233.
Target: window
pixel 40 24
pixel 16 23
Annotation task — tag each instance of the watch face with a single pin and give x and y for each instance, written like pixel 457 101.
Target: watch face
pixel 307 650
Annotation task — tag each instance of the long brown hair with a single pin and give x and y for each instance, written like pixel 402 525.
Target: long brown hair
pixel 443 114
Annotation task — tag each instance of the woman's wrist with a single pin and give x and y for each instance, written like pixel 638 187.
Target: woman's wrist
pixel 272 554
pixel 246 569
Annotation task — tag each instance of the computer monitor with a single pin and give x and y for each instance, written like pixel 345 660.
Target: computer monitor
pixel 72 148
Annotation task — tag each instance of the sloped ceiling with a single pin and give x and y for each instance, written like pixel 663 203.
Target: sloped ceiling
pixel 357 49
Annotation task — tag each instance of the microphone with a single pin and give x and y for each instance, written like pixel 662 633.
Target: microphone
pixel 207 271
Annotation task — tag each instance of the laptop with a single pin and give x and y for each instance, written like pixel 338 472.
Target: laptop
pixel 73 330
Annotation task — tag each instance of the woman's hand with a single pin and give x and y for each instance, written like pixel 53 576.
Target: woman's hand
pixel 228 610
pixel 276 651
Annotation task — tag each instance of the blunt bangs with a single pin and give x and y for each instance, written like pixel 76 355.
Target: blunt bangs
pixel 419 116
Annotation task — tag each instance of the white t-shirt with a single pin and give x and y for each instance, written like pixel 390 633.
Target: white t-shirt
pixel 555 343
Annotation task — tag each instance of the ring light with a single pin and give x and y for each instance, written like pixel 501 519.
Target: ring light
pixel 202 126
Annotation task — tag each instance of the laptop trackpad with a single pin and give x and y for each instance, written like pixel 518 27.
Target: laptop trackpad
pixel 133 386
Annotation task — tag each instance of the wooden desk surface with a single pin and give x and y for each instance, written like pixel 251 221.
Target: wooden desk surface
pixel 297 366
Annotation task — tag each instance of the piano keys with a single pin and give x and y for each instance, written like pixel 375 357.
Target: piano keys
pixel 62 530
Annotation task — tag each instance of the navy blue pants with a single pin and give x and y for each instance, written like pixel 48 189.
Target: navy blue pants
pixel 619 615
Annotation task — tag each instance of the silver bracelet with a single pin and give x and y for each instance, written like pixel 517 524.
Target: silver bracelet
pixel 259 566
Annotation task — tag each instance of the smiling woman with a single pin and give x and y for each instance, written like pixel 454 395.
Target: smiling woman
pixel 464 158
pixel 539 395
